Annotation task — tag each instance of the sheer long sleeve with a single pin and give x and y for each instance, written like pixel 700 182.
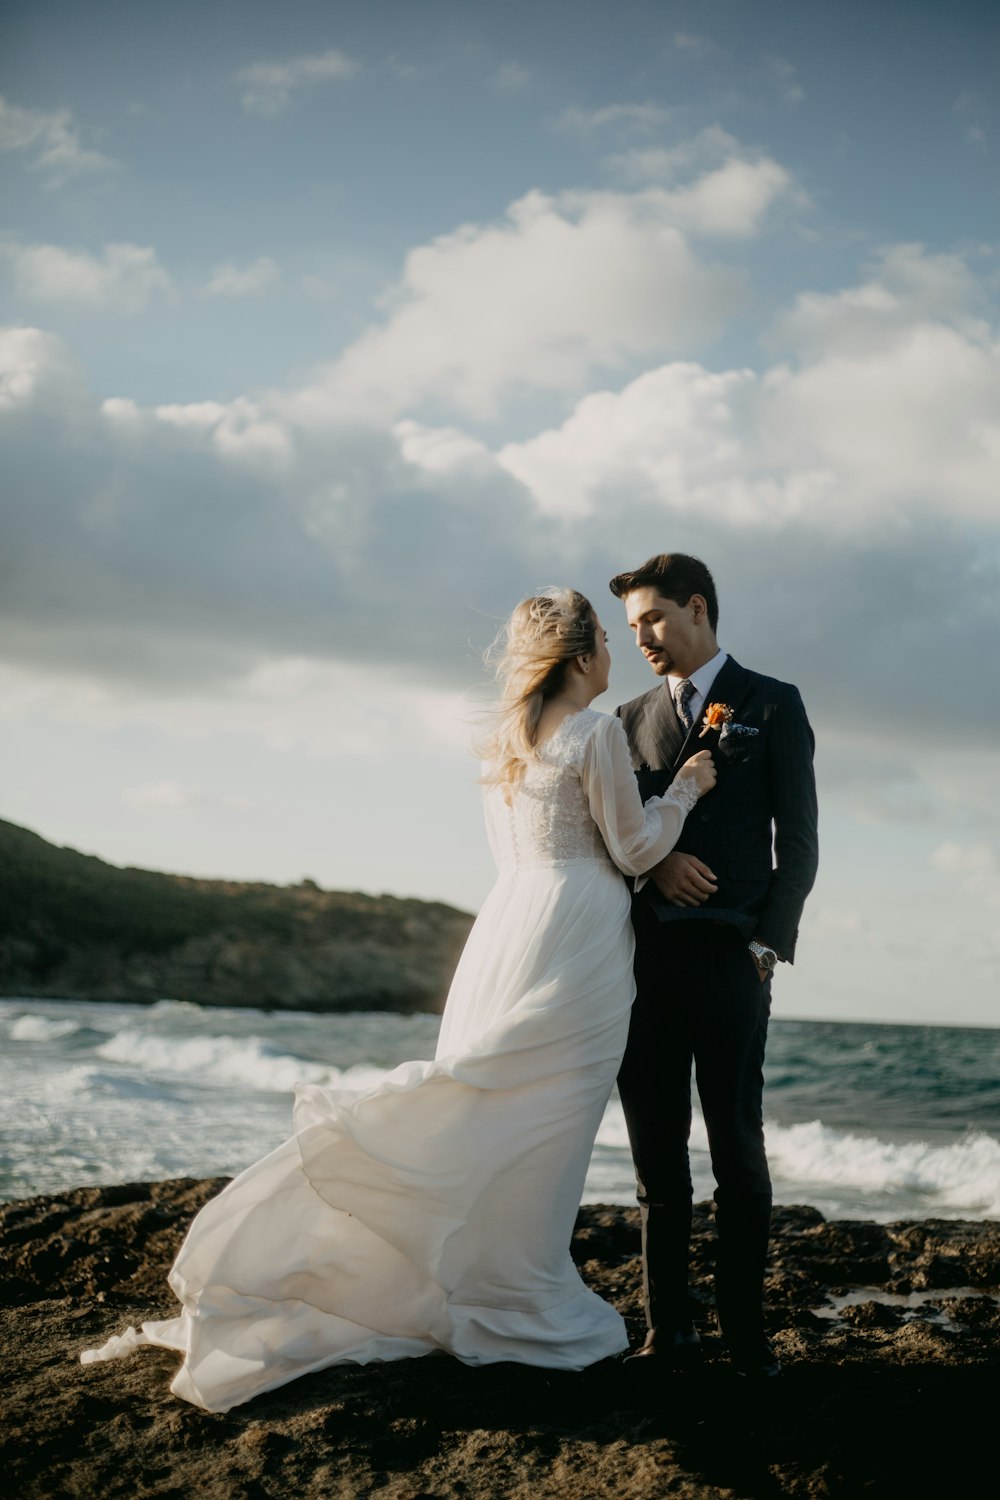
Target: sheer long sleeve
pixel 637 836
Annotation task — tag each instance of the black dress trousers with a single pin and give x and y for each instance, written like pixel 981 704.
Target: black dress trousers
pixel 699 999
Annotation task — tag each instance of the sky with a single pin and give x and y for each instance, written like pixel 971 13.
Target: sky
pixel 330 331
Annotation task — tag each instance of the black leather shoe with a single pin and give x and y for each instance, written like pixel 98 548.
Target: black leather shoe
pixel 756 1361
pixel 665 1347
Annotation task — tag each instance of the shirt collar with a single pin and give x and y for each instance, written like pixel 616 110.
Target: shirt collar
pixel 703 678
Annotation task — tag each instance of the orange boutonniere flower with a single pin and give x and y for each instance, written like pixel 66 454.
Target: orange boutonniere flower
pixel 716 715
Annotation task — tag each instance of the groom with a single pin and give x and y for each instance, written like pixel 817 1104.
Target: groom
pixel 711 923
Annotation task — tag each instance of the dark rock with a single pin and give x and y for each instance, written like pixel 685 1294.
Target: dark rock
pixel 872 1315
pixel 861 1408
pixel 795 1218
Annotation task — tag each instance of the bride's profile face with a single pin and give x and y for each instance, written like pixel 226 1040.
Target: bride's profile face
pixel 601 669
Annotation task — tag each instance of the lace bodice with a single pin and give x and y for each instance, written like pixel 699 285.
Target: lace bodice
pixel 579 801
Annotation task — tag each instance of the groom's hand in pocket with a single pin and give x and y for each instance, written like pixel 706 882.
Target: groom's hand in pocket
pixel 683 880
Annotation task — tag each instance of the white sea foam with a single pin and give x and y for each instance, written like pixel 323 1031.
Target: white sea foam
pixel 961 1177
pixel 77 1080
pixel 40 1029
pixel 232 1060
pixel 115 1092
pixel 613 1131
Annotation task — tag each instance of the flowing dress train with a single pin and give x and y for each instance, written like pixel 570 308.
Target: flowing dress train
pixel 434 1210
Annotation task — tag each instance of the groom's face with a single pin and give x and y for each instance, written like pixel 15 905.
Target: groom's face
pixel 665 632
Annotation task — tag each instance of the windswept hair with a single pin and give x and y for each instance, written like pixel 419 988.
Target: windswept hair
pixel 532 654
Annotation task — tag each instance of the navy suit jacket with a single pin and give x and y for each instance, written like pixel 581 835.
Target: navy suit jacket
pixel 756 829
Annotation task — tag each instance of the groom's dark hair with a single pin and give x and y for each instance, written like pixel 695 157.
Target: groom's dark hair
pixel 674 575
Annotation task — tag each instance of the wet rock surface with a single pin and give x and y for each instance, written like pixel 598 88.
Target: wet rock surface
pixel 892 1394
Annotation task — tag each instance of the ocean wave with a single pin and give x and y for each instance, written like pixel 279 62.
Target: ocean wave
pixel 613 1131
pixel 231 1060
pixel 961 1177
pixel 87 1083
pixel 78 1080
pixel 40 1029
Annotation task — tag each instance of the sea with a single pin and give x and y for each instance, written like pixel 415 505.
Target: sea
pixel 879 1122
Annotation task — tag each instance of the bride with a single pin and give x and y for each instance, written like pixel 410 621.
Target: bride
pixel 434 1211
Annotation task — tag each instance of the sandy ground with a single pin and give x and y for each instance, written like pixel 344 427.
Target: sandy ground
pixel 883 1398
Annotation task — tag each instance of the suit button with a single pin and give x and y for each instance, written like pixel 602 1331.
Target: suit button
pixel 704 817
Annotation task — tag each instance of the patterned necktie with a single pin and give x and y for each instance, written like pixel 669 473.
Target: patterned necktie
pixel 683 693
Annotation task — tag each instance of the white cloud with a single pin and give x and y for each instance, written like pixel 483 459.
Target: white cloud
pixel 230 280
pixel 401 67
pixel 673 436
pixel 784 79
pixel 563 286
pixel 197 414
pixel 735 80
pixel 165 794
pixel 888 407
pixel 34 366
pixel 693 45
pixel 975 111
pixel 729 190
pixel 51 142
pixel 441 450
pixel 269 86
pixel 241 430
pixel 730 201
pixel 510 78
pixel 122 278
pixel 896 389
pixel 646 116
pixel 859 471
pixel 288 704
pixel 910 427
pixel 905 286
pixel 711 147
pixel 974 866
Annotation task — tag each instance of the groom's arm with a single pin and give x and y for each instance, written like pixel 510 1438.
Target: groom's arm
pixel 792 786
pixel 680 879
pixel 683 880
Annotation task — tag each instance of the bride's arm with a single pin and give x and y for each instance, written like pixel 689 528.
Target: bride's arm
pixel 637 836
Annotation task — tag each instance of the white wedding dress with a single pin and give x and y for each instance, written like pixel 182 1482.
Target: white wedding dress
pixel 434 1211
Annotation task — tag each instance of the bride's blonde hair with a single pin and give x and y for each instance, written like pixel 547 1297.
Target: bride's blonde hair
pixel 532 654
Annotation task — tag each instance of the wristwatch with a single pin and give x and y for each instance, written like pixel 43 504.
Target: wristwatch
pixel 766 957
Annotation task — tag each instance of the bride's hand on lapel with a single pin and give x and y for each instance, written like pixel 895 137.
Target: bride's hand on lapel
pixel 701 770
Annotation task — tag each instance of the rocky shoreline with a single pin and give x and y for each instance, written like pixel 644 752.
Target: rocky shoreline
pixel 74 927
pixel 887 1333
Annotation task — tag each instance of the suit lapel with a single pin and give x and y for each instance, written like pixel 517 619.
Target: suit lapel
pixel 730 686
pixel 663 732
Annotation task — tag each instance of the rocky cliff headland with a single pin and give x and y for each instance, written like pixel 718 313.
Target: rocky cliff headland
pixel 887 1333
pixel 74 927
